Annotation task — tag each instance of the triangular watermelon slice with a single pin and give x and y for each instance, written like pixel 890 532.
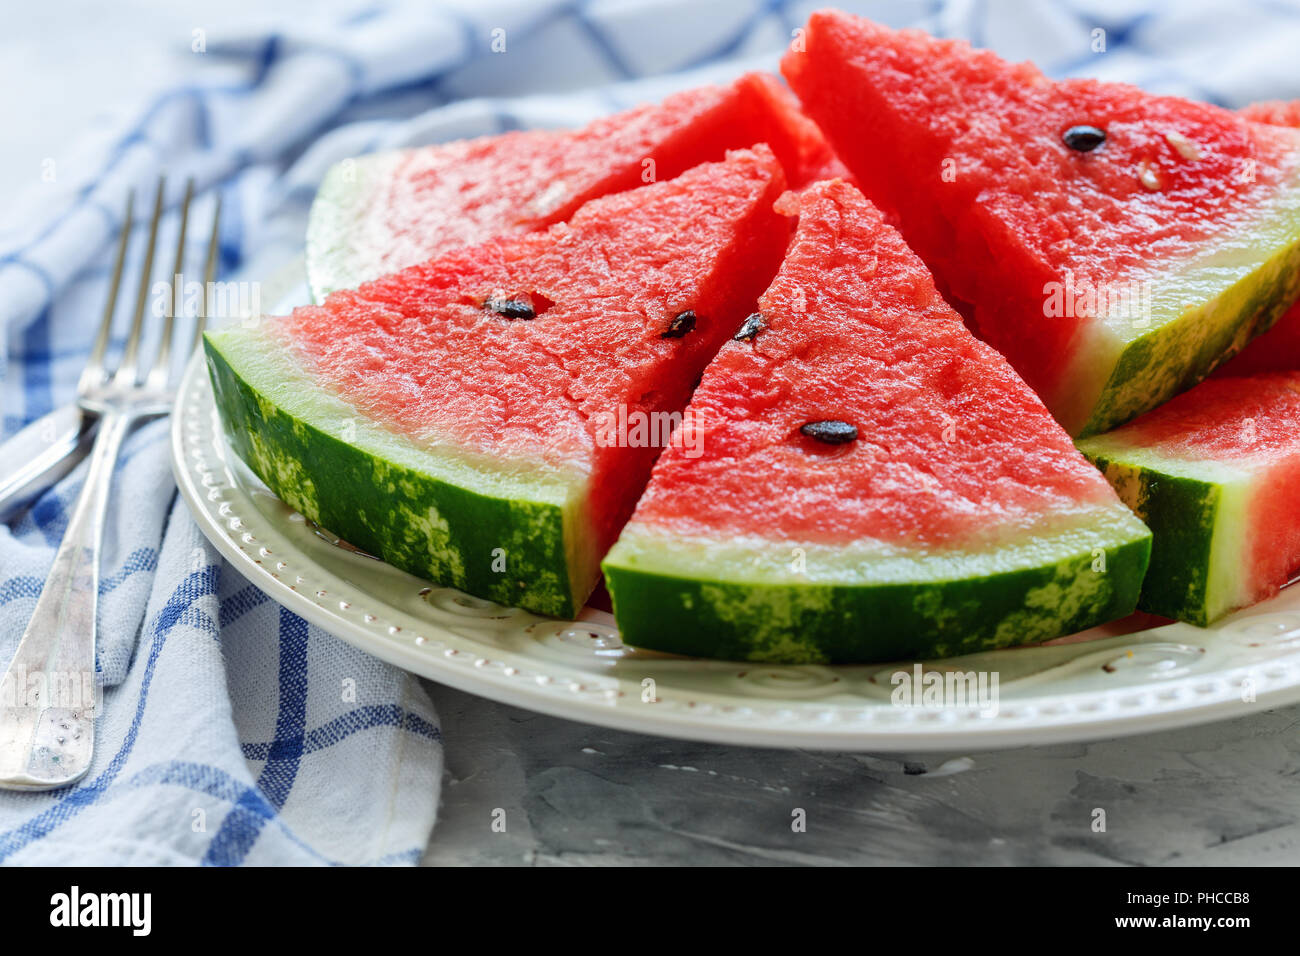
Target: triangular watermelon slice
pixel 862 479
pixel 460 418
pixel 1216 473
pixel 1115 245
pixel 379 213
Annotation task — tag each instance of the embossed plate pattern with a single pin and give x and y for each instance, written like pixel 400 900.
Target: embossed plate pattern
pixel 1103 684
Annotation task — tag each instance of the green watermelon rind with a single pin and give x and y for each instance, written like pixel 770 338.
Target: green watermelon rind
pixel 678 598
pixel 1197 512
pixel 1240 295
pixel 510 537
pixel 337 257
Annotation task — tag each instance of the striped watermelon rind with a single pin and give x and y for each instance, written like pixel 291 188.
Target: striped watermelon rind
pixel 785 602
pixel 1240 288
pixel 1197 512
pixel 440 516
pixel 842 569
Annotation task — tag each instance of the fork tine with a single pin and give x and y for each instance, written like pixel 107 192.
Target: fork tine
pixel 209 273
pixel 126 372
pixel 93 373
pixel 159 374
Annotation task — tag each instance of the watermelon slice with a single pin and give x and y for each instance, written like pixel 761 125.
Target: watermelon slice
pixel 1215 473
pixel 1278 349
pixel 865 480
pixel 1115 245
pixel 380 213
pixel 458 418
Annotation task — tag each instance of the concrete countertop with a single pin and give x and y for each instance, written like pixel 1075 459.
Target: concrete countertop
pixel 573 794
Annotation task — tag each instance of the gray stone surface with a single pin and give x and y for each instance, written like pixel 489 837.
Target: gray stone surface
pixel 573 794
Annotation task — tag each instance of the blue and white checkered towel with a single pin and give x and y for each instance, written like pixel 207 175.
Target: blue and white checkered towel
pixel 226 736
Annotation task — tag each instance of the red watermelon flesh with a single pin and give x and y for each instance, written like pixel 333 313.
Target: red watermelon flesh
pixel 1274 112
pixel 1251 421
pixel 1216 473
pixel 969 151
pixel 919 371
pixel 829 167
pixel 958 514
pixel 375 215
pixel 631 299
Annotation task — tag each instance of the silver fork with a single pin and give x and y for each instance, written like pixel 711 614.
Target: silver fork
pixel 49 694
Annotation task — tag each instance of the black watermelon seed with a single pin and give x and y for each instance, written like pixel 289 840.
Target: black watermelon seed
pixel 679 326
pixel 831 432
pixel 507 308
pixel 750 328
pixel 1084 138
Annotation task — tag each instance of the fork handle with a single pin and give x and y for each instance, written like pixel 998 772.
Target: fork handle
pixel 47 696
pixel 40 454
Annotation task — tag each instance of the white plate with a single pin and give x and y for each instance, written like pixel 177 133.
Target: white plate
pixel 1104 683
